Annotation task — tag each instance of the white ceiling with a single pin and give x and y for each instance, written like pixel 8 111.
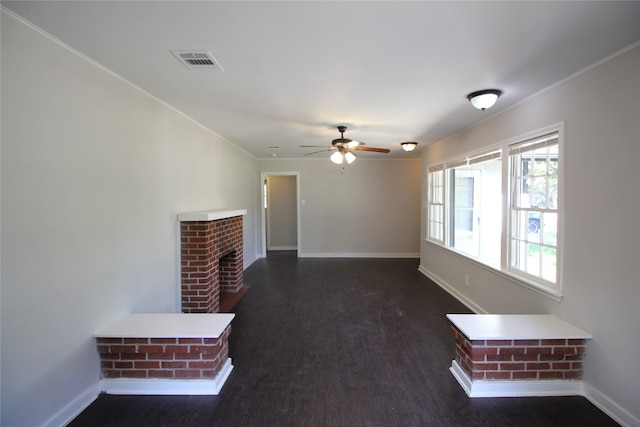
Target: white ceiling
pixel 392 71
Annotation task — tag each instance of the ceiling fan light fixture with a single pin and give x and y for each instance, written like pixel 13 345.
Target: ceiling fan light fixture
pixel 350 157
pixel 484 99
pixel 409 146
pixel 337 158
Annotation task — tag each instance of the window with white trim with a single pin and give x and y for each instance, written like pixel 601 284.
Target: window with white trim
pixel 436 204
pixel 533 209
pixel 468 199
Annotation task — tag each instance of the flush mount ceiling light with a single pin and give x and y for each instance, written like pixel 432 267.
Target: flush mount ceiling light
pixel 409 146
pixel 484 99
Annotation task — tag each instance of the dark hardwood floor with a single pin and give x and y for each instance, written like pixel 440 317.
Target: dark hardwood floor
pixel 340 342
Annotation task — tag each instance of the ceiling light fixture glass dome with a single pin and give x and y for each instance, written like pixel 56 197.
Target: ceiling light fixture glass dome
pixel 484 99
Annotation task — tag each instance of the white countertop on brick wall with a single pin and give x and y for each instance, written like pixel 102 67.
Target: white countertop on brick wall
pixel 515 326
pixel 211 215
pixel 168 325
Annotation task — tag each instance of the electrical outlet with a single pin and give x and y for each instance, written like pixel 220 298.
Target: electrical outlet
pixel 466 280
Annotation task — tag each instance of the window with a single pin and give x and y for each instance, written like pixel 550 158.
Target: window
pixel 436 204
pixel 475 200
pixel 533 239
pixel 500 208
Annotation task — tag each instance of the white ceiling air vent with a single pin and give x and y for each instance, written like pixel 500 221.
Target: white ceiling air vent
pixel 197 59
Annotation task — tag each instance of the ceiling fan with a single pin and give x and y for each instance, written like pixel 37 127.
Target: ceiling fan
pixel 343 148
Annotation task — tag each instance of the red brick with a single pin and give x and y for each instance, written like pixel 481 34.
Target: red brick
pixel 485 366
pixel 554 342
pixel 525 357
pixel 499 357
pixel 577 365
pixel 201 365
pixel 187 356
pixel 160 356
pixel 546 357
pixel 177 348
pixel 123 365
pixel 128 341
pixel 551 375
pixel 561 365
pixel 526 343
pixel 160 373
pixel 538 366
pixel 564 350
pixel 174 365
pixel 499 343
pixel 141 373
pixel 511 350
pixel 190 340
pixel 146 364
pixel 211 356
pixel 525 375
pixel 162 341
pixel 150 349
pixel 187 373
pixel 498 375
pixel 110 356
pixel 200 349
pixel 109 340
pixel 539 350
pixel 512 366
pixel 133 356
pixel 123 349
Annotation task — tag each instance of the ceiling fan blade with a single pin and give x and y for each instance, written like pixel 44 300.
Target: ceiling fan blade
pixel 375 150
pixel 321 151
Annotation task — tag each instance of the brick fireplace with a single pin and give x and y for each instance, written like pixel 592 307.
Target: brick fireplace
pixel 211 258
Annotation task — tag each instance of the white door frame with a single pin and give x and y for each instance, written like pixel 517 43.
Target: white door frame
pixel 263 176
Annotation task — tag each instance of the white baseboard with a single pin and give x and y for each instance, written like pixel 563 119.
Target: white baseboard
pixel 471 305
pixel 357 255
pixel 248 262
pixel 282 248
pixel 515 388
pixel 156 386
pixel 74 408
pixel 611 408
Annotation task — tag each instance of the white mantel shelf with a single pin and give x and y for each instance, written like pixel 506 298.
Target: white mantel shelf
pixel 165 325
pixel 515 327
pixel 210 215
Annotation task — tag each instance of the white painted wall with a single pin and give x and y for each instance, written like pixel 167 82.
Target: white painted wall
pixel 372 208
pixel 602 228
pixel 94 173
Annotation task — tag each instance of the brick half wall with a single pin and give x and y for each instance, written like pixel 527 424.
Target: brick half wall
pixel 166 358
pixel 531 359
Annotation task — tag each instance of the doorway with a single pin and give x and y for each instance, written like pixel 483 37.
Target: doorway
pixel 280 212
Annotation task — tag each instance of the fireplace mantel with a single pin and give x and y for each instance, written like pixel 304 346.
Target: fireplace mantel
pixel 210 215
